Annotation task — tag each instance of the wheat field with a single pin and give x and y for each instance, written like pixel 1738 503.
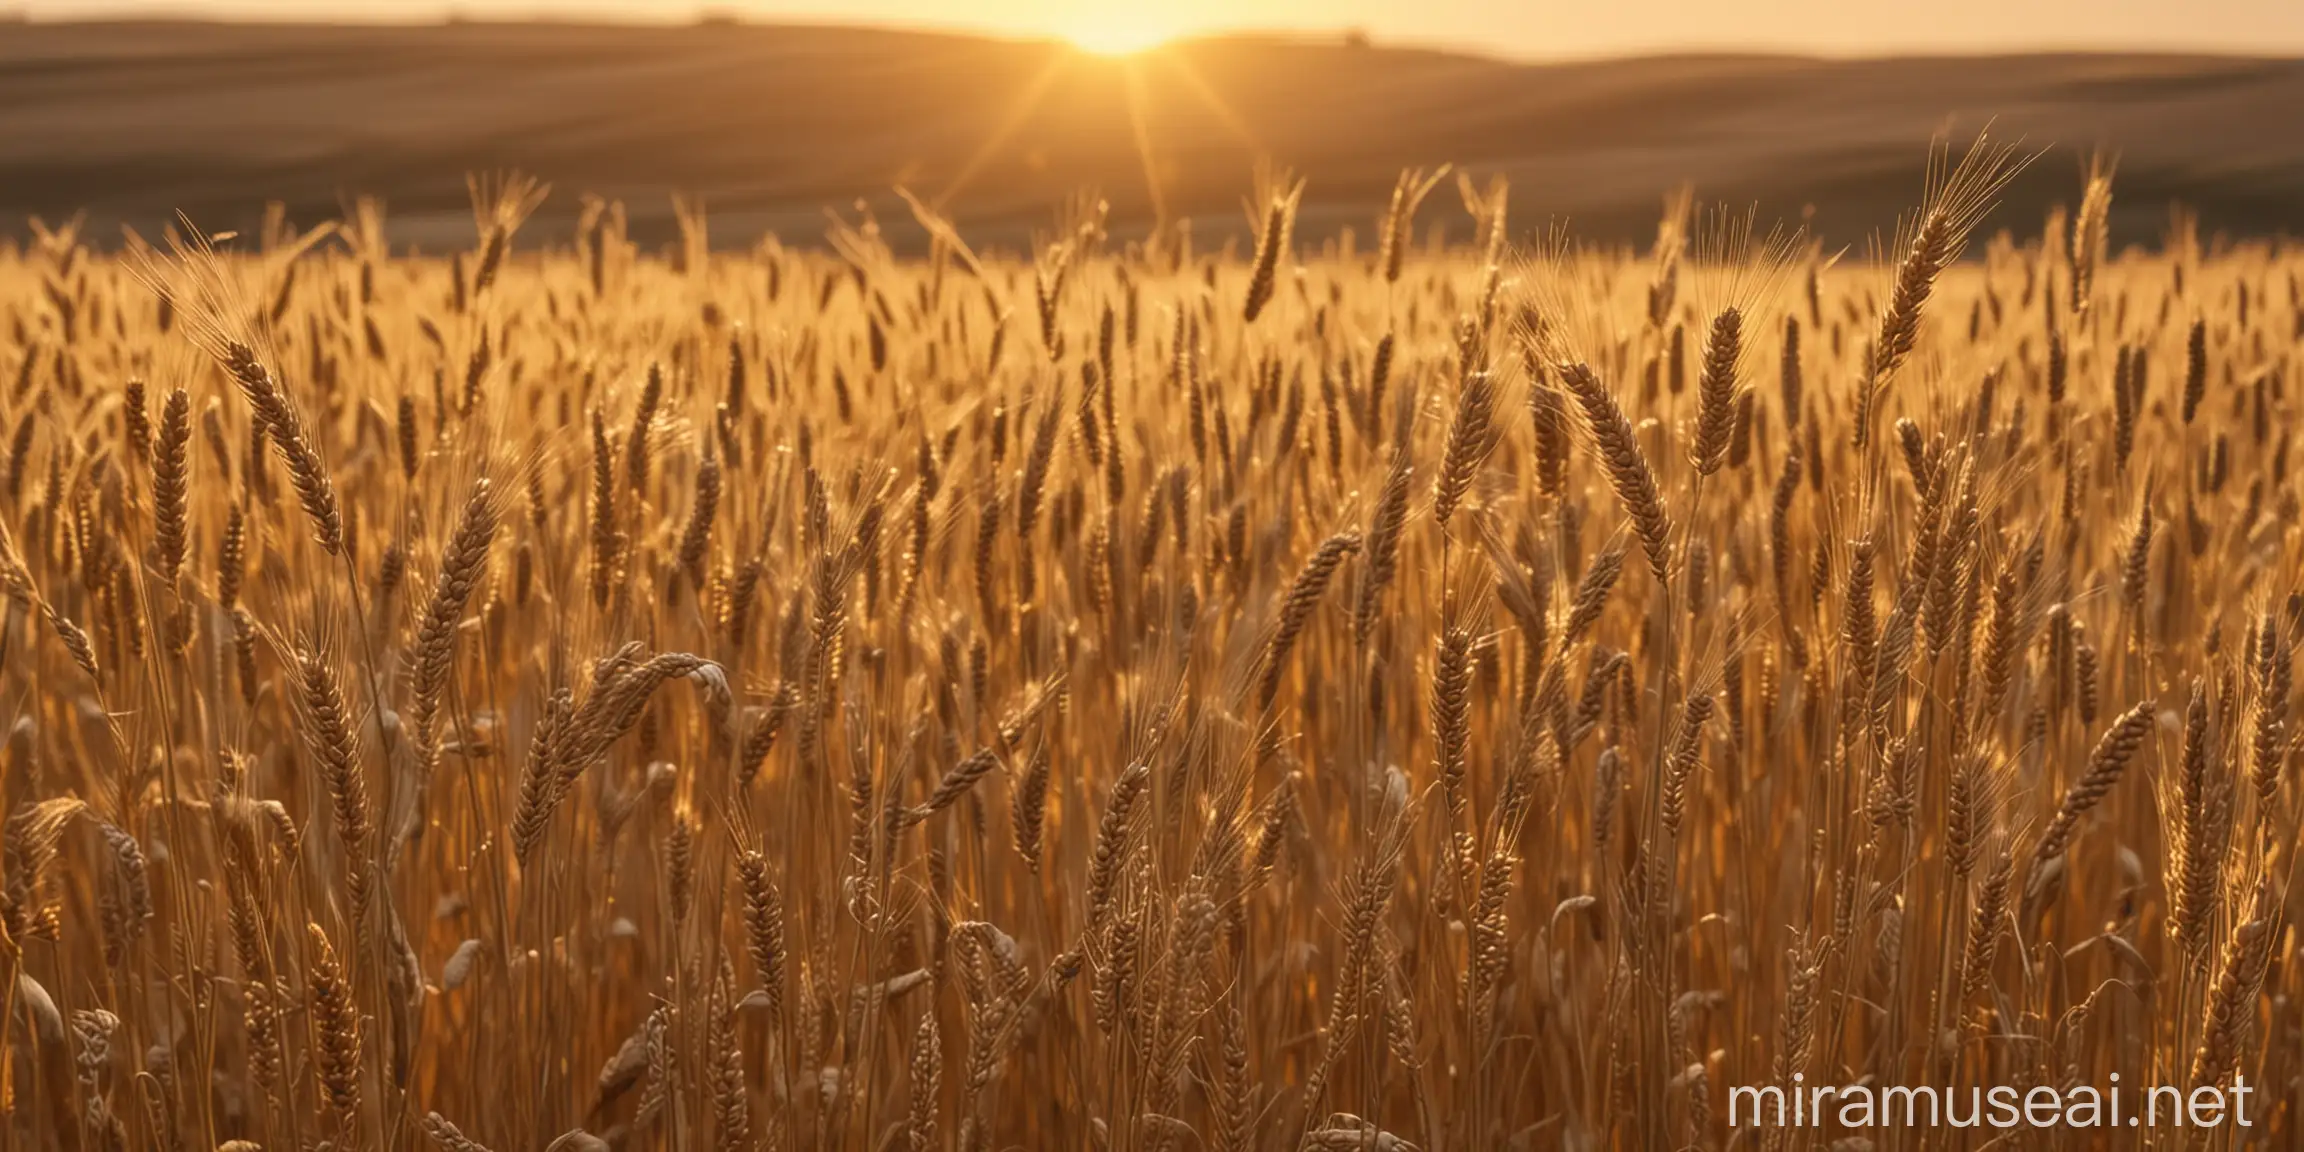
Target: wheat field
pixel 1342 695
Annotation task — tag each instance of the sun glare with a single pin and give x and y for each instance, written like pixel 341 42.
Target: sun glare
pixel 1118 33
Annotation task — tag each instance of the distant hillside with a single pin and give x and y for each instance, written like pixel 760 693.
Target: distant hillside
pixel 771 125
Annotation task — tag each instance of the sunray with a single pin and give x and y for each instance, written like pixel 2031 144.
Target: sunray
pixel 1010 121
pixel 1214 103
pixel 1133 80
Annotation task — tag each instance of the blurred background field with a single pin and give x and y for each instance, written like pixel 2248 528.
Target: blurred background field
pixel 130 121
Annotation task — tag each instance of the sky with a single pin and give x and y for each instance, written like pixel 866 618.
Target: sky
pixel 1525 29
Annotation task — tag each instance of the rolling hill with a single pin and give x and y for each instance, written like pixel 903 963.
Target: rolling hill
pixel 771 125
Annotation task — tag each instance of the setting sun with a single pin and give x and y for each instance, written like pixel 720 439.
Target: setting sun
pixel 1121 32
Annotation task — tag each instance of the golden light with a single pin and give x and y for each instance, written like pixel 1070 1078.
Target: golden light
pixel 1118 30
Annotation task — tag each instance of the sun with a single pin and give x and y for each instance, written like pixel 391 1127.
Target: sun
pixel 1118 33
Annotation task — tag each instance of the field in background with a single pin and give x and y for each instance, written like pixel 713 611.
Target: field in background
pixel 134 121
pixel 1137 697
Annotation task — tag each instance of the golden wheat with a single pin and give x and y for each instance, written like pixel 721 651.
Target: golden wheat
pixel 621 617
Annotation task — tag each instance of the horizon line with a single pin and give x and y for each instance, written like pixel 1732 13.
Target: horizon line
pixel 722 18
